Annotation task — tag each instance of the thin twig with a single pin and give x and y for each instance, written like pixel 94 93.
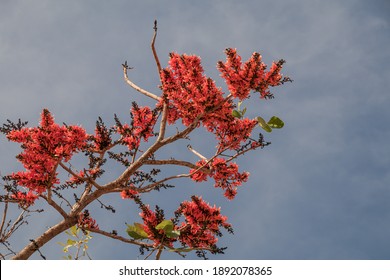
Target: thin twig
pixel 120 238
pixel 153 48
pixel 52 175
pixel 88 179
pixel 4 217
pixel 134 86
pixel 150 187
pixel 53 204
pixel 18 222
pixel 196 153
pixel 176 162
pixel 164 117
pixel 149 254
pixel 160 249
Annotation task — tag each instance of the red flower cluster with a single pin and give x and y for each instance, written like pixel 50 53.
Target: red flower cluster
pixel 202 223
pixel 200 228
pixel 192 95
pixel 86 222
pixel 232 131
pixel 189 92
pixel 142 127
pixel 242 78
pixel 128 194
pixel 226 176
pixel 43 147
pixel 150 222
pixel 128 137
pixel 25 200
pixel 143 122
pixel 198 175
pixel 102 138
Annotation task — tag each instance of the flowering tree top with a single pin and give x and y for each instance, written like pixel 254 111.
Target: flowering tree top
pixel 187 95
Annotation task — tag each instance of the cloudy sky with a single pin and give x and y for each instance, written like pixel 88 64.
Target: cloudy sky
pixel 320 191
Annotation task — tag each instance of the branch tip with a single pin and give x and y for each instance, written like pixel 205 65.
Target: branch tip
pixel 127 67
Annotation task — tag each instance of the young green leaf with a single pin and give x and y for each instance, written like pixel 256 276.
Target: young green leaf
pixel 236 114
pixel 66 248
pixel 275 122
pixel 243 111
pixel 239 105
pixel 74 230
pixel 71 242
pixel 166 226
pixel 263 124
pixel 173 234
pixel 136 231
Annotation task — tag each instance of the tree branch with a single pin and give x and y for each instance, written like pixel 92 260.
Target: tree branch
pixel 88 179
pixel 120 238
pixel 152 186
pixel 52 203
pixel 134 86
pixel 4 217
pixel 154 50
pixel 176 162
pixel 34 246
pixel 196 153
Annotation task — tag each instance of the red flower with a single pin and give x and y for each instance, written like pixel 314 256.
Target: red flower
pixel 191 95
pixel 25 200
pixel 198 175
pixel 86 222
pixel 43 147
pixel 188 91
pixel 128 194
pixel 150 222
pixel 226 176
pixel 242 78
pixel 202 223
pixel 143 123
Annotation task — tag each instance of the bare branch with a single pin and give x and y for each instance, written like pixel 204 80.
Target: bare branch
pixel 163 123
pixel 32 247
pixel 134 86
pixel 160 249
pixel 151 187
pixel 154 49
pixel 4 217
pixel 48 187
pixel 176 162
pixel 196 153
pixel 16 224
pixel 120 238
pixel 88 179
pixel 52 203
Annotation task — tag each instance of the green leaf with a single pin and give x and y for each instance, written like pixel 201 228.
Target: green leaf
pixel 239 105
pixel 66 248
pixel 236 114
pixel 74 230
pixel 166 226
pixel 263 124
pixel 173 234
pixel 71 242
pixel 243 112
pixel 275 122
pixel 136 231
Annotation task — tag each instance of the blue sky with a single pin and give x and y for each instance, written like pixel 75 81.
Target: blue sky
pixel 320 191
